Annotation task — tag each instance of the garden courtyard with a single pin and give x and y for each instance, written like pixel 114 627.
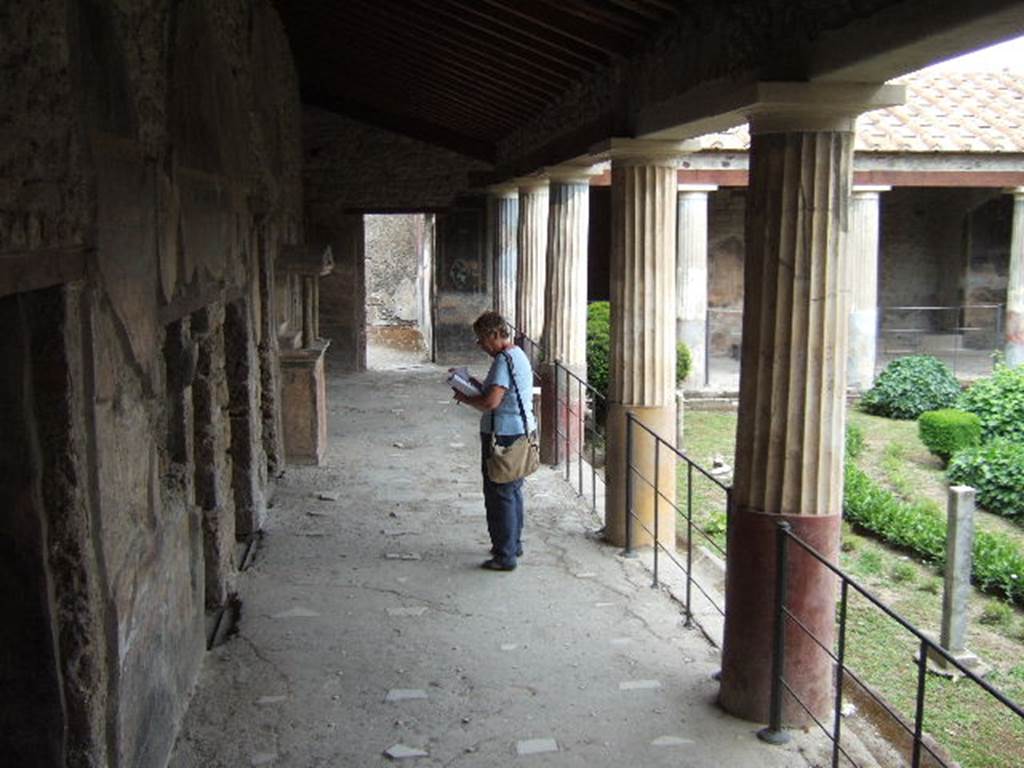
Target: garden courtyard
pixel 893 542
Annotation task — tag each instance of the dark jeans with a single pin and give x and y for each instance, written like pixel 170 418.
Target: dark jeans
pixel 504 503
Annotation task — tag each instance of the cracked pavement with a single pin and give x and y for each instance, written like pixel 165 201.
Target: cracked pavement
pixel 502 658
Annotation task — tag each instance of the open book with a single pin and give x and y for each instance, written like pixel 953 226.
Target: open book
pixel 459 380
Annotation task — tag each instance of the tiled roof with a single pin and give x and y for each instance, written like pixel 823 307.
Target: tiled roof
pixel 945 112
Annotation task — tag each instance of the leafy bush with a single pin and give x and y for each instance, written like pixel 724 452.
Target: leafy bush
pixel 949 430
pixel 910 386
pixel 684 362
pixel 998 561
pixel 996 471
pixel 999 402
pixel 598 345
pixel 599 349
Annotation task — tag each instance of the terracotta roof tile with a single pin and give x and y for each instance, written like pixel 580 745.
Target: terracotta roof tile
pixel 947 112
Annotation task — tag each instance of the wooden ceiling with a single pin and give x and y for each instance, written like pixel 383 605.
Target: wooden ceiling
pixel 460 74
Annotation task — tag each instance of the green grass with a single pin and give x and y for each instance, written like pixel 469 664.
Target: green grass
pixel 977 730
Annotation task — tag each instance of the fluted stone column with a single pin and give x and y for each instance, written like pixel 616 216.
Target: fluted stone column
pixel 532 243
pixel 789 437
pixel 643 348
pixel 1015 286
pixel 565 311
pixel 862 266
pixel 505 201
pixel 692 276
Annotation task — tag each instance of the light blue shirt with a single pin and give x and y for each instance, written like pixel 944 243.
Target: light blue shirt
pixel 507 419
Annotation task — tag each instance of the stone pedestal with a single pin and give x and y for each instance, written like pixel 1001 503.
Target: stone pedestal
pixel 304 404
pixel 303 385
pixel 692 277
pixel 643 345
pixel 789 447
pixel 505 202
pixel 532 242
pixel 862 265
pixel 1015 285
pixel 565 312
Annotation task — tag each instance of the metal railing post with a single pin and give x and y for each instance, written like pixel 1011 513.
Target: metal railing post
pixel 628 550
pixel 922 676
pixel 689 542
pixel 774 734
pixel 657 493
pixel 568 408
pixel 840 669
pixel 579 420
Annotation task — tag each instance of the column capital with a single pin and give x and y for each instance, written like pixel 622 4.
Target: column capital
pixel 1015 191
pixel 504 189
pixel 625 152
pixel 530 183
pixel 783 107
pixel 572 173
pixel 696 188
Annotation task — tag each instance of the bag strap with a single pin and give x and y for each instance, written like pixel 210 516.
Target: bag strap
pixel 519 399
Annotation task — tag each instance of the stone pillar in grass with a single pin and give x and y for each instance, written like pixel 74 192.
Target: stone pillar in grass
pixel 957 591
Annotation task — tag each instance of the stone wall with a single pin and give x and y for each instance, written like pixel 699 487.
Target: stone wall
pixel 343 292
pixel 351 166
pixel 150 169
pixel 393 252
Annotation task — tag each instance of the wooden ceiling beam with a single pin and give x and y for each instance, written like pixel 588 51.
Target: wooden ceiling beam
pixel 530 44
pixel 412 128
pixel 554 25
pixel 541 91
pixel 624 14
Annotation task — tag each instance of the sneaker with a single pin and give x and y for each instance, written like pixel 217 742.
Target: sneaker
pixel 494 565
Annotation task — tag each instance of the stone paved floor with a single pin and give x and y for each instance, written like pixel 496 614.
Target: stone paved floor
pixel 367 622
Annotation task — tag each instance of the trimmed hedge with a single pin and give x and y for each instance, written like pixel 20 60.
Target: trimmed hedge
pixel 598 345
pixel 910 386
pixel 999 402
pixel 599 349
pixel 684 362
pixel 996 471
pixel 949 430
pixel 998 561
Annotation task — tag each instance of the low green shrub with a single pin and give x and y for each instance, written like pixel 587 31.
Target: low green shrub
pixel 869 562
pixel 854 441
pixel 684 362
pixel 999 402
pixel 903 573
pixel 998 561
pixel 598 345
pixel 910 386
pixel 996 615
pixel 932 586
pixel 996 471
pixel 946 431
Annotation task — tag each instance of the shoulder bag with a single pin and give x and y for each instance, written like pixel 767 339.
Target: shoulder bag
pixel 513 462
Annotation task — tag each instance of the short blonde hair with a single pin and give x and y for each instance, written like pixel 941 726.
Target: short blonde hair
pixel 491 324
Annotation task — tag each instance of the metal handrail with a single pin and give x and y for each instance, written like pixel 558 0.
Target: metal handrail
pixel 774 733
pixel 577 411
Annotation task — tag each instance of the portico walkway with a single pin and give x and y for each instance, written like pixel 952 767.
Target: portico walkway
pixel 380 591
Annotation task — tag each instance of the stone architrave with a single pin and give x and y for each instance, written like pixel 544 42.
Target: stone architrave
pixel 532 242
pixel 862 264
pixel 1015 286
pixel 692 277
pixel 505 201
pixel 643 344
pixel 565 311
pixel 789 446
